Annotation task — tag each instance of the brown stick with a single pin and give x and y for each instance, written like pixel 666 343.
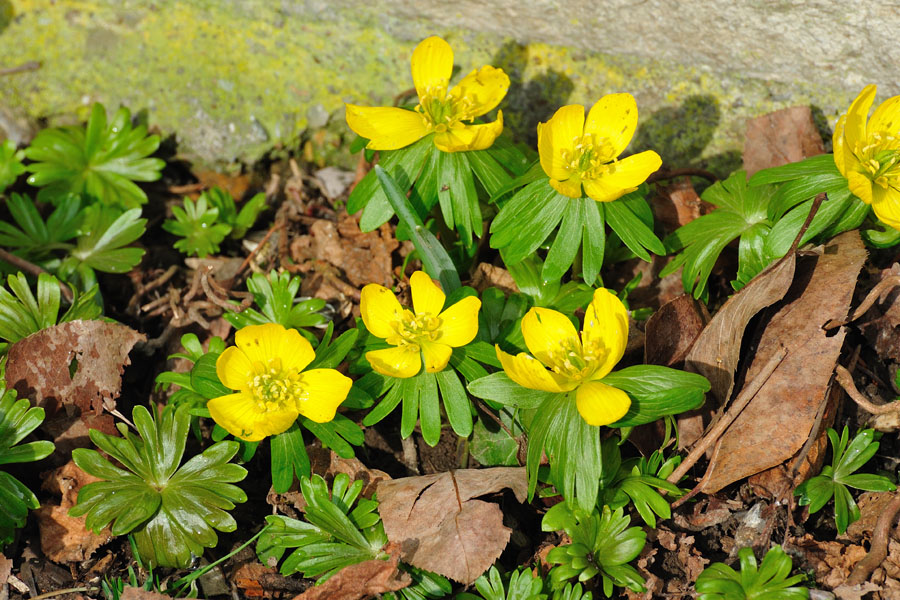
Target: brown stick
pixel 728 418
pixel 31 65
pixel 873 295
pixel 878 550
pixel 844 378
pixel 28 267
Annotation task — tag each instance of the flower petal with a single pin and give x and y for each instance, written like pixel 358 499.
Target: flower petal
pixel 432 65
pixel 615 118
pixel 379 309
pixel 860 185
pixel 528 372
pixel 557 135
pixel 233 368
pixel 436 356
pixel 886 203
pixel 386 127
pixel 601 404
pixel 548 332
pixel 841 154
pixel 459 323
pixel 571 187
pixel 427 297
pixel 606 325
pixel 623 177
pixel 886 118
pixel 855 123
pixel 484 88
pixel 399 361
pixel 469 137
pixel 239 415
pixel 269 341
pixel 323 392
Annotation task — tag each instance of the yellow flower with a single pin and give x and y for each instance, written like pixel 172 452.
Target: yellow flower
pixel 575 363
pixel 868 154
pixel 576 153
pixel 266 367
pixel 426 331
pixel 441 110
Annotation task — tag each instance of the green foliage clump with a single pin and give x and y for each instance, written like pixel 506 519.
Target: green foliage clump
pixel 276 296
pixel 769 581
pixel 102 159
pixel 172 510
pixel 10 164
pixel 17 419
pixel 835 478
pixel 602 544
pixel 205 224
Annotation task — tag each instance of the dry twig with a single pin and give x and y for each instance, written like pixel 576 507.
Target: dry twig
pixel 878 550
pixel 844 378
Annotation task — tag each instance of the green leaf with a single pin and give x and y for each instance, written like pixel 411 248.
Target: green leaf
pixel 102 160
pixel 289 457
pixel 35 239
pixel 492 445
pixel 526 220
pixel 276 296
pixel 435 260
pixel 633 232
pixel 814 165
pixel 198 224
pixel 568 240
pixel 10 164
pixel 656 391
pixel 498 387
pixel 106 232
pixel 770 581
pixel 171 511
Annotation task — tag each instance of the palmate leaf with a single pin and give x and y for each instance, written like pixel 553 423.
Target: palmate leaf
pixel 334 533
pixel 102 244
pixel 10 164
pixel 239 222
pixel 521 584
pixel 276 296
pixel 171 509
pixel 770 581
pixel 101 159
pixel 33 238
pixel 602 544
pixel 17 419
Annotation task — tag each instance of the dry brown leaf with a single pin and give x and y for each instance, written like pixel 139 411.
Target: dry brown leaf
pixel 39 365
pixel 871 505
pixel 367 579
pixel 5 572
pixel 259 581
pixel 677 204
pixel 487 275
pixel 777 421
pixel 133 593
pixel 65 538
pixel 326 463
pixel 781 137
pixel 439 524
pixel 671 331
pixel 716 351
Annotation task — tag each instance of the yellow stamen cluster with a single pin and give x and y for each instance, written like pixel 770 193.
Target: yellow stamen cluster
pixel 575 360
pixel 590 156
pixel 412 329
pixel 273 389
pixel 442 111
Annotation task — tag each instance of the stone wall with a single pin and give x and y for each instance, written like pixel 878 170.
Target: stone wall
pixel 233 79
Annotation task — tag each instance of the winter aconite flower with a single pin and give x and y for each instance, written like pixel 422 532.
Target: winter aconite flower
pixel 444 111
pixel 266 367
pixel 561 361
pixel 428 331
pixel 868 154
pixel 576 153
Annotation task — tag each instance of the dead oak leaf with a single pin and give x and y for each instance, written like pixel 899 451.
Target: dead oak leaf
pixel 40 367
pixel 440 525
pixel 367 579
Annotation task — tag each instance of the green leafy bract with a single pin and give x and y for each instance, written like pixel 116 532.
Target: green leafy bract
pixel 276 296
pixel 101 244
pixel 17 419
pixel 602 544
pixel 10 164
pixel 101 159
pixel 835 478
pixel 334 534
pixel 521 584
pixel 238 221
pixel 425 585
pixel 198 224
pixel 171 511
pixel 33 238
pixel 21 313
pixel 770 581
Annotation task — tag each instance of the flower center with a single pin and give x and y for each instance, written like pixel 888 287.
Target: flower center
pixel 590 156
pixel 575 360
pixel 412 329
pixel 273 388
pixel 442 110
pixel 880 159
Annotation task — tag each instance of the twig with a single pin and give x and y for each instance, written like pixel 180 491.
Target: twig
pixel 725 421
pixel 673 173
pixel 410 455
pixel 150 286
pixel 28 267
pixel 188 188
pixel 844 378
pixel 873 295
pixel 73 590
pixel 878 549
pixel 31 65
pixel 262 242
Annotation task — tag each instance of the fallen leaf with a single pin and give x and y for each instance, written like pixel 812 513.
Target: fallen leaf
pixel 367 579
pixel 39 367
pixel 871 505
pixel 777 421
pixel 5 572
pixel 326 463
pixel 717 349
pixel 258 581
pixel 677 204
pixel 487 275
pixel 333 182
pixel 236 185
pixel 781 137
pixel 69 430
pixel 439 524
pixel 133 593
pixel 672 330
pixel 855 592
pixel 63 538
